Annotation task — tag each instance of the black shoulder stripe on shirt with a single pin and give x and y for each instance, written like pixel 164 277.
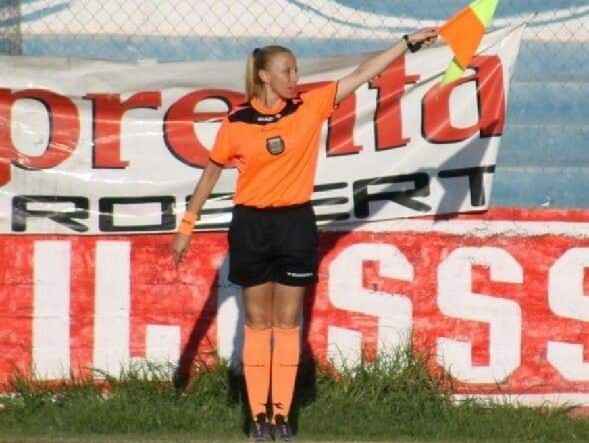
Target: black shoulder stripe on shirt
pixel 249 114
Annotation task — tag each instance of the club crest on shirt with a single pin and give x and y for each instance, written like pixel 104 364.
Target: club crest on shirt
pixel 275 145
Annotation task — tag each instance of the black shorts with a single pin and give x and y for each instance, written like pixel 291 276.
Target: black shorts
pixel 273 244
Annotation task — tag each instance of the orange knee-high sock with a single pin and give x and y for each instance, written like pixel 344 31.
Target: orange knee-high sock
pixel 256 367
pixel 285 363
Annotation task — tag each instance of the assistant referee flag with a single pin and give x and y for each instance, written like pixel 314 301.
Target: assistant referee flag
pixel 464 33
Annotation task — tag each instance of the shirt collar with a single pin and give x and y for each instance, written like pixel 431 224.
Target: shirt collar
pixel 260 107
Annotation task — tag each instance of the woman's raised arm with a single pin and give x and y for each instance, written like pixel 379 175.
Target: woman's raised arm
pixel 379 62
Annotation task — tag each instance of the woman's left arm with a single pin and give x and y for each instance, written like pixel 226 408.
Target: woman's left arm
pixel 376 64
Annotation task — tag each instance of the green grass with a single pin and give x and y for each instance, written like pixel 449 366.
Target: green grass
pixel 393 399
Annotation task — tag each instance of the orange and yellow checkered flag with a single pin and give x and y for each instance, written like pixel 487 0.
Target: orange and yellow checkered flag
pixel 464 33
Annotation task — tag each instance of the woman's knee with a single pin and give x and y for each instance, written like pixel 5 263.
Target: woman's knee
pixel 257 302
pixel 259 322
pixel 286 319
pixel 288 306
pixel 286 324
pixel 258 315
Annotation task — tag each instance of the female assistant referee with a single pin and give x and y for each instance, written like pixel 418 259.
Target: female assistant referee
pixel 274 140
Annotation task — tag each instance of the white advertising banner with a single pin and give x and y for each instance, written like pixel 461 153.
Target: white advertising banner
pixel 91 147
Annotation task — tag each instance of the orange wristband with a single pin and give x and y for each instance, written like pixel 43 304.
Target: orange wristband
pixel 187 223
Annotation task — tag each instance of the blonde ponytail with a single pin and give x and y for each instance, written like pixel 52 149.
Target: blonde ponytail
pixel 250 77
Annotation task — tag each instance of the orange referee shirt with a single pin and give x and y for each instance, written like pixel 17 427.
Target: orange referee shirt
pixel 275 150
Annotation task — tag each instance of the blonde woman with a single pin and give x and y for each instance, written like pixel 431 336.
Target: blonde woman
pixel 274 140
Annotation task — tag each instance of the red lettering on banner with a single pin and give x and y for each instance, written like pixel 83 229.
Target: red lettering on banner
pixel 5 172
pixel 388 119
pixel 182 139
pixel 437 126
pixel 179 133
pixel 64 127
pixel 340 125
pixel 108 112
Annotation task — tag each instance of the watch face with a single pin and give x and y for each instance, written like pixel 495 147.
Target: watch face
pixel 275 145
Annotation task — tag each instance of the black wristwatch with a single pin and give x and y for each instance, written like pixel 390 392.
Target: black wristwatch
pixel 413 47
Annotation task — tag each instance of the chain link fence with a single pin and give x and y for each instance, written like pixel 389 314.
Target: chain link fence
pixel 10 32
pixel 544 159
